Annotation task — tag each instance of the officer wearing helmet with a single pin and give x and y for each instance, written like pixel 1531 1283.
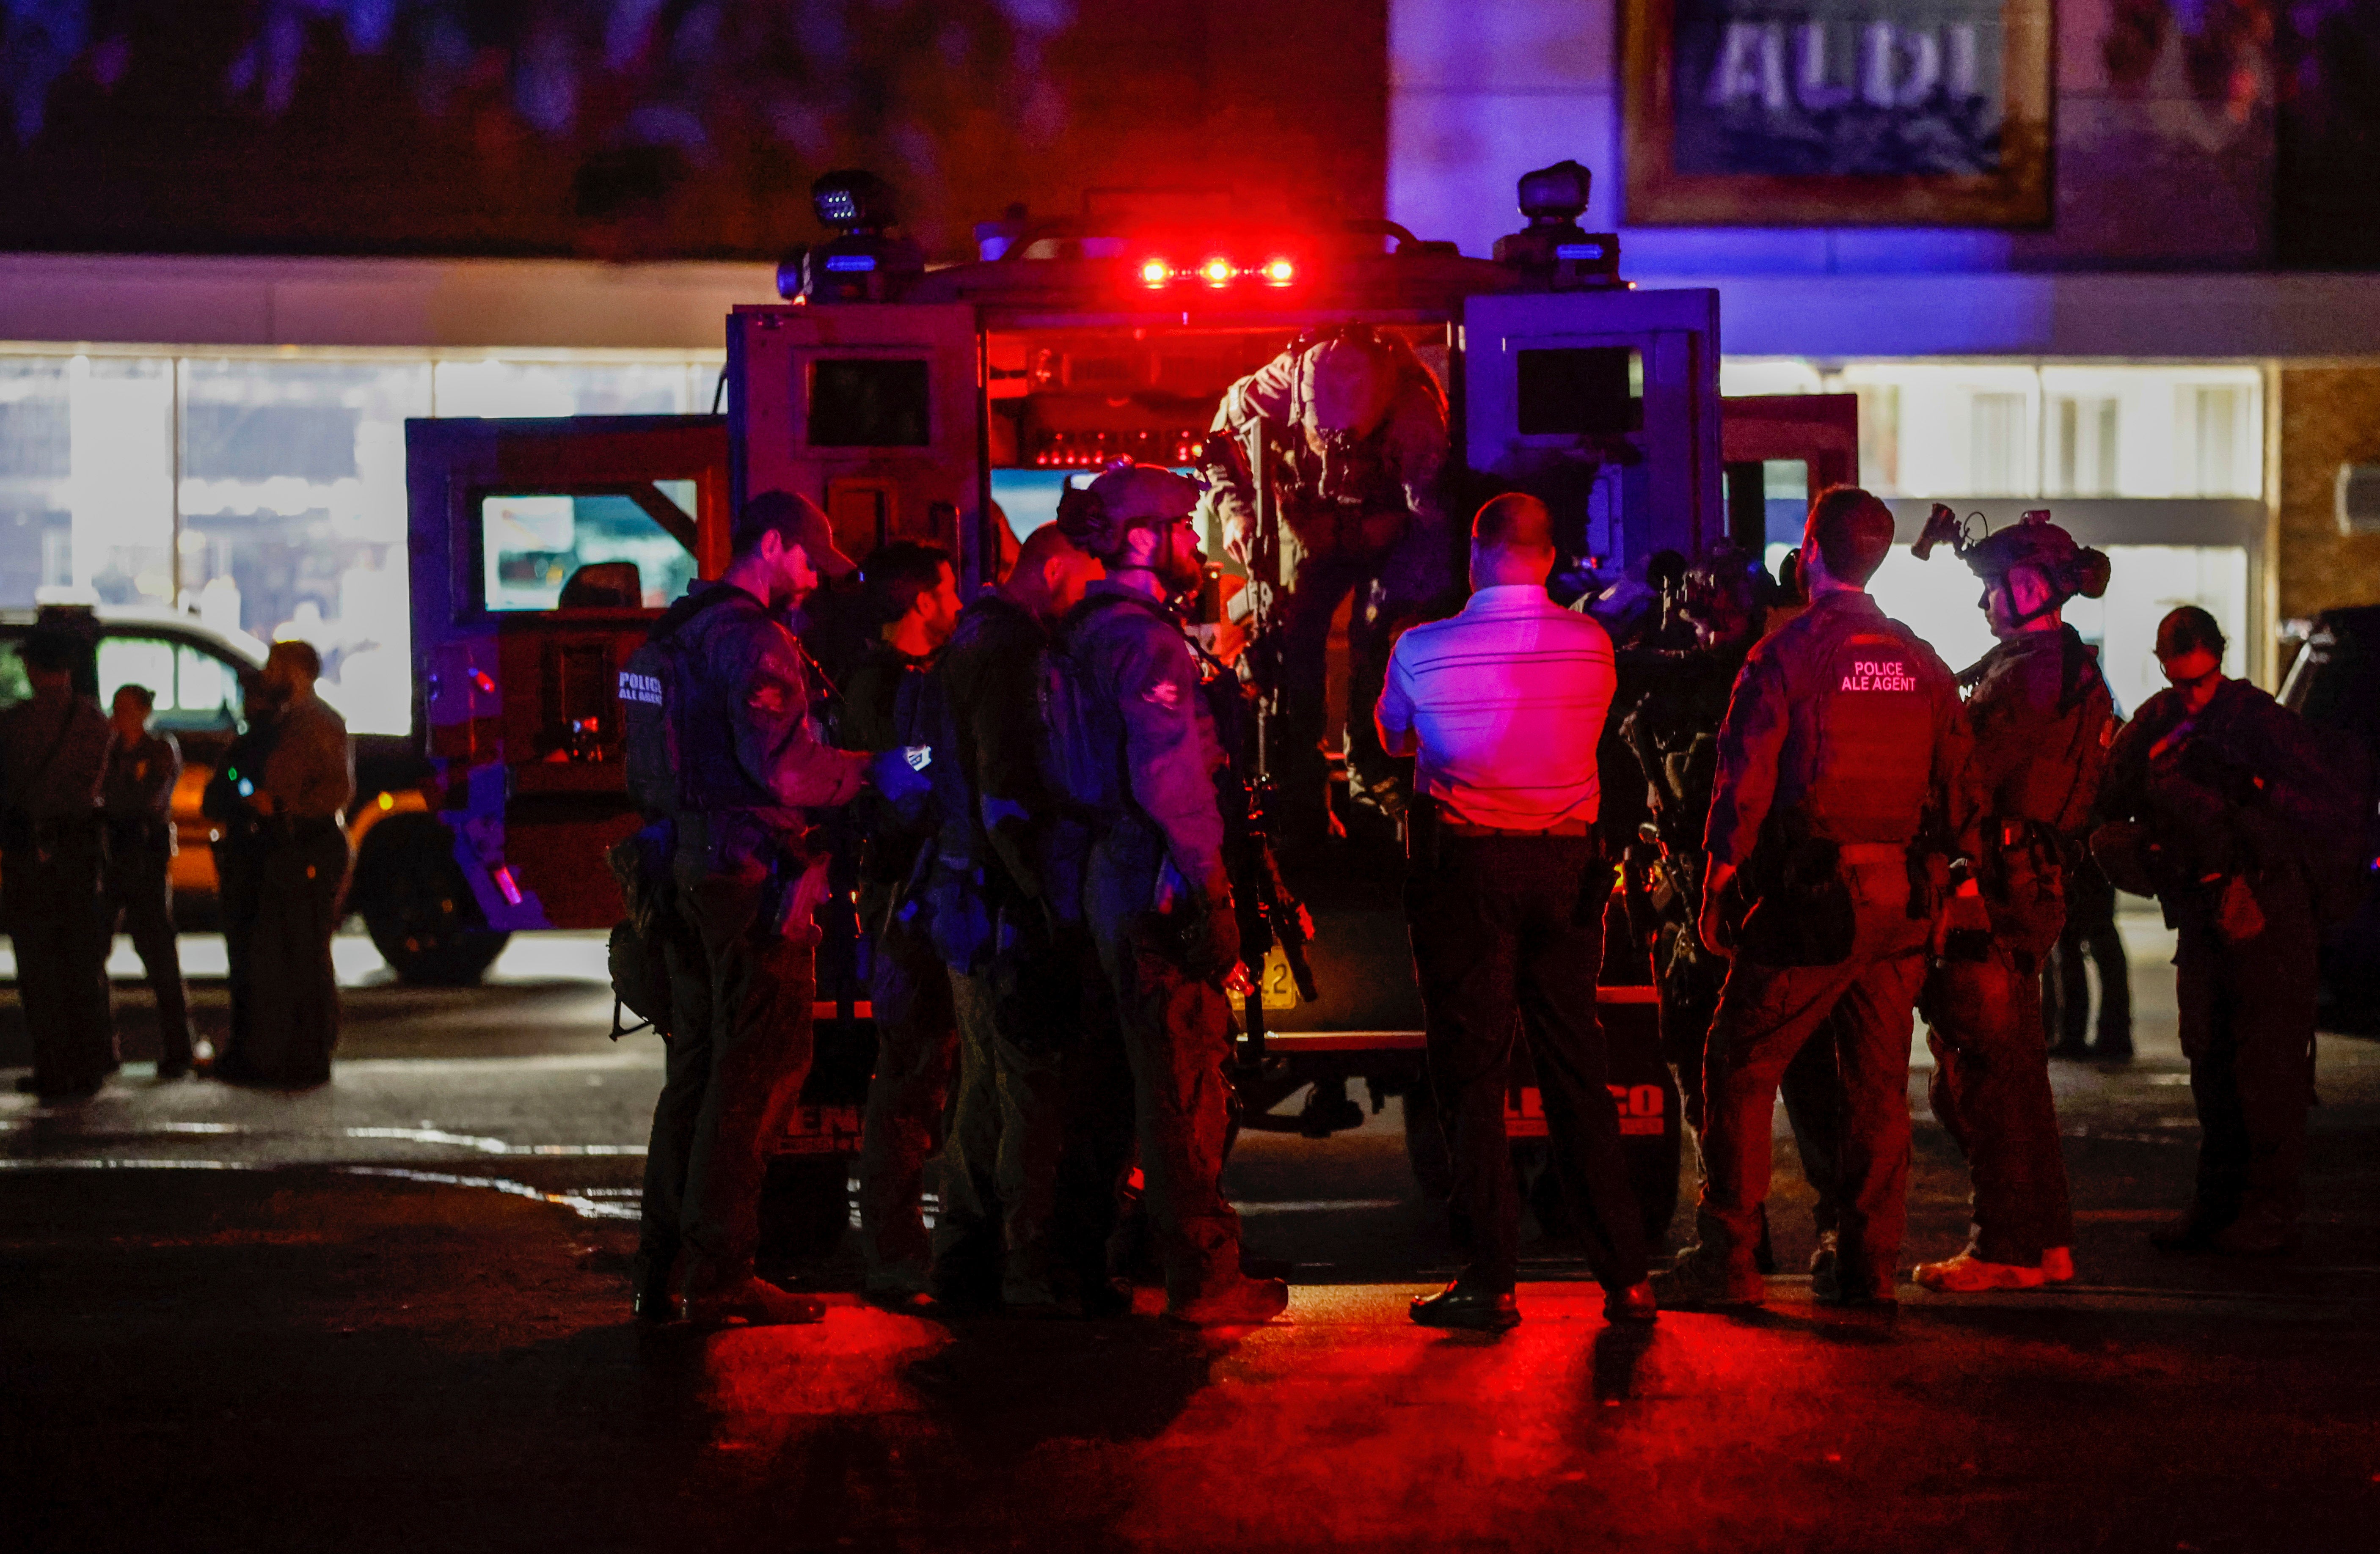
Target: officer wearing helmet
pixel 2042 719
pixel 1355 429
pixel 2223 804
pixel 1155 893
pixel 1672 730
pixel 1844 738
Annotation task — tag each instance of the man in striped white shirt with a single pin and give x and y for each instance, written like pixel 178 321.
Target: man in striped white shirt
pixel 1502 706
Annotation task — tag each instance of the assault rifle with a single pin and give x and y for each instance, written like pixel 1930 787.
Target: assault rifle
pixel 1269 915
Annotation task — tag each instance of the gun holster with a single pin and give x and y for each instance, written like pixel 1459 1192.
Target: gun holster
pixel 1801 910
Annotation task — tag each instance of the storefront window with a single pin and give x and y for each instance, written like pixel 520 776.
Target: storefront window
pixel 294 517
pixel 86 480
pixel 1954 430
pixel 509 388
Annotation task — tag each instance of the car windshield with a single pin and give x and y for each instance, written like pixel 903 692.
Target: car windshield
pixel 195 690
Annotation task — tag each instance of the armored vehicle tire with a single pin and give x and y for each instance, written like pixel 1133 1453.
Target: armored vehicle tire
pixel 416 906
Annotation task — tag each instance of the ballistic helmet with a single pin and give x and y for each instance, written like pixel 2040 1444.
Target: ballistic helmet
pixel 1097 517
pixel 1726 585
pixel 2048 549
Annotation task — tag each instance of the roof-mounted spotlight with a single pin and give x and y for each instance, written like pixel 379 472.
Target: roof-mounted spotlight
pixel 1553 250
pixel 863 262
pixel 854 201
pixel 1555 196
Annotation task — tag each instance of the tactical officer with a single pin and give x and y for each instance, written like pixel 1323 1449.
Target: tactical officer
pixel 1672 730
pixel 1843 732
pixel 290 785
pixel 891 702
pixel 1356 430
pixel 1156 893
pixel 2042 719
pixel 137 799
pixel 54 747
pixel 751 768
pixel 2226 811
pixel 1043 1120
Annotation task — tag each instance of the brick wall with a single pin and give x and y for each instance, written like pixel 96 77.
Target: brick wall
pixel 2329 416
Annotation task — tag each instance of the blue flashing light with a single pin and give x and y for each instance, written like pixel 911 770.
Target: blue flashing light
pixel 1578 251
pixel 849 263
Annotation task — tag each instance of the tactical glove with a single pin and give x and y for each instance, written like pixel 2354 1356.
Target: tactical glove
pixel 899 773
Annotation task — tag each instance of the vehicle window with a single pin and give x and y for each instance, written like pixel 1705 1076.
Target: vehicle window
pixel 195 689
pixel 1581 391
pixel 864 403
pixel 14 687
pixel 531 546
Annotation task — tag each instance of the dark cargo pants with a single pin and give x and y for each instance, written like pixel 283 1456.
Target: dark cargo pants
pixel 2248 1029
pixel 1177 1038
pixel 1867 1003
pixel 141 899
pixel 1812 1087
pixel 916 1053
pixel 1043 1124
pixel 1507 938
pixel 52 906
pixel 740 1000
pixel 1990 1092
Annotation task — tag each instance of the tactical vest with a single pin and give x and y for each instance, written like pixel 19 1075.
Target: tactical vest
pixel 653 688
pixel 2060 784
pixel 1079 743
pixel 1872 760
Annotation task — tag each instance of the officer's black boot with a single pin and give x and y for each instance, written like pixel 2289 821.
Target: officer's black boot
pixel 651 1295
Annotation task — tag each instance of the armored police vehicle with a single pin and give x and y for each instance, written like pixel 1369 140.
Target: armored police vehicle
pixel 951 405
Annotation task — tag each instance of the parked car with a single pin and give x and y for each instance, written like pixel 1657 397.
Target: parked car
pixel 2334 687
pixel 205 679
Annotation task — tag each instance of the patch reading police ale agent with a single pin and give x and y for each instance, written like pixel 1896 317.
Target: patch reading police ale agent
pixel 1880 675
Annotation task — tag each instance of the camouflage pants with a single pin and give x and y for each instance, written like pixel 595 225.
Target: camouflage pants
pixel 1176 1038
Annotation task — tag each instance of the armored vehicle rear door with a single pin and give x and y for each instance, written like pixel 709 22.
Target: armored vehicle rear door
pixel 542 551
pixel 874 412
pixel 1606 405
pixel 1780 451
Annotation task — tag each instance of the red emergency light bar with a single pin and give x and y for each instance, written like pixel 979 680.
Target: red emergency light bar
pixel 1215 271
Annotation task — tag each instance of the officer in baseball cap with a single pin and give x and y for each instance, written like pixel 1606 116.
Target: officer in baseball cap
pixel 751 770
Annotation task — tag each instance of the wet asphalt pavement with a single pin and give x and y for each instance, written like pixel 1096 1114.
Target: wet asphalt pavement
pixel 390 1313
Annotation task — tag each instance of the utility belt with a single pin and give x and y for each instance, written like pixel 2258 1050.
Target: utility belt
pixel 1427 828
pixel 1565 828
pixel 2023 873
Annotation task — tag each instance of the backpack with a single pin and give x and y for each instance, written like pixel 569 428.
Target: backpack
pixel 1080 737
pixel 652 696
